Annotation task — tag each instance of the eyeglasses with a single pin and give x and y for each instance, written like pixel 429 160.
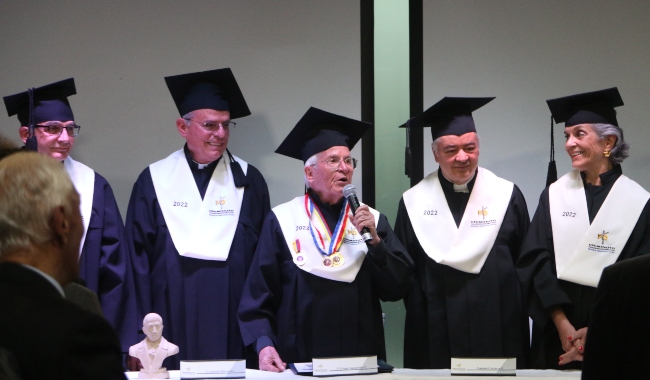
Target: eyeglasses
pixel 212 126
pixel 333 163
pixel 55 129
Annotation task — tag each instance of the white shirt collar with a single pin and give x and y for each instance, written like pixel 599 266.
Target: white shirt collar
pixel 462 188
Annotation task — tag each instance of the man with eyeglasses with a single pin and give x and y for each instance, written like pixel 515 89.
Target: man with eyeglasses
pixel 314 286
pixel 48 126
pixel 193 223
pixel 463 227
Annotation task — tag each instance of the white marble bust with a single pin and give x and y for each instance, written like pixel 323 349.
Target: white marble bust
pixel 153 350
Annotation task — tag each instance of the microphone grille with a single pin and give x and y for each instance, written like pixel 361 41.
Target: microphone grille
pixel 348 190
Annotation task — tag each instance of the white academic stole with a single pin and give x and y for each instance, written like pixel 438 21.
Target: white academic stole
pixel 335 255
pixel 582 251
pixel 464 247
pixel 83 179
pixel 200 228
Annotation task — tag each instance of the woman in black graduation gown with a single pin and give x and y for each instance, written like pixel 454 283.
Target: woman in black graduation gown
pixel 590 218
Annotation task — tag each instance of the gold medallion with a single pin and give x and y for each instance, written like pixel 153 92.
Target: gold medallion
pixel 337 259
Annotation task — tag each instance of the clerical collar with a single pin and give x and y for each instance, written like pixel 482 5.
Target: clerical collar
pixel 195 165
pixel 463 187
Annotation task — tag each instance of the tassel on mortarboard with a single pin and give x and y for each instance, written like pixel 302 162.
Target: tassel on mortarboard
pixel 408 156
pixel 31 144
pixel 551 173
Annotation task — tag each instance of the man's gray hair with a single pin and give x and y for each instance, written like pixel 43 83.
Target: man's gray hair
pixel 311 161
pixel 621 149
pixel 188 117
pixel 32 185
pixel 434 144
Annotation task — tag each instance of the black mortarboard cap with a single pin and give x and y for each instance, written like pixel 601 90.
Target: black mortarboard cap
pixel 587 108
pixel 450 116
pixel 596 107
pixel 214 89
pixel 50 103
pixel 319 130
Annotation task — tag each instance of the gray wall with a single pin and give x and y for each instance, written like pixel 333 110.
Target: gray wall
pixel 286 55
pixel 524 52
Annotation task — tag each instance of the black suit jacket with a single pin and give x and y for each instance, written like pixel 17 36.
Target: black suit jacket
pixel 618 338
pixel 50 337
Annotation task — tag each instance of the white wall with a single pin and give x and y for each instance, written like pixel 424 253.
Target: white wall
pixel 286 55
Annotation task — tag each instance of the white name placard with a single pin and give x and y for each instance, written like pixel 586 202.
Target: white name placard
pixel 353 365
pixel 213 369
pixel 484 366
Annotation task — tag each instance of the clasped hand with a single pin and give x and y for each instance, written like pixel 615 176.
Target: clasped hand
pixel 573 343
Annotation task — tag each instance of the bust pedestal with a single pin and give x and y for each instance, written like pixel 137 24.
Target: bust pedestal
pixel 161 373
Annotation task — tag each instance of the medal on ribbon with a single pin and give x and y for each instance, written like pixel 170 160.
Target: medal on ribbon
pixel 337 259
pixel 299 258
pixel 327 242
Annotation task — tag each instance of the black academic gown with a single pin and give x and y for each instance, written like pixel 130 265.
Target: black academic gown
pixel 50 337
pixel 450 313
pixel 307 316
pixel 105 267
pixel 197 299
pixel 619 332
pixel 542 288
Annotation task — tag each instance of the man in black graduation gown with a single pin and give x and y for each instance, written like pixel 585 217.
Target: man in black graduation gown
pixel 463 227
pixel 48 336
pixel 314 287
pixel 555 298
pixel 618 328
pixel 49 127
pixel 194 220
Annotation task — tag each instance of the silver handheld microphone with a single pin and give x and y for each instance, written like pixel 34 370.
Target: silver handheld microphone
pixel 350 193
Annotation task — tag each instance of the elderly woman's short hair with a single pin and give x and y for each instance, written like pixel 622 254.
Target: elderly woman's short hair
pixel 32 185
pixel 621 149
